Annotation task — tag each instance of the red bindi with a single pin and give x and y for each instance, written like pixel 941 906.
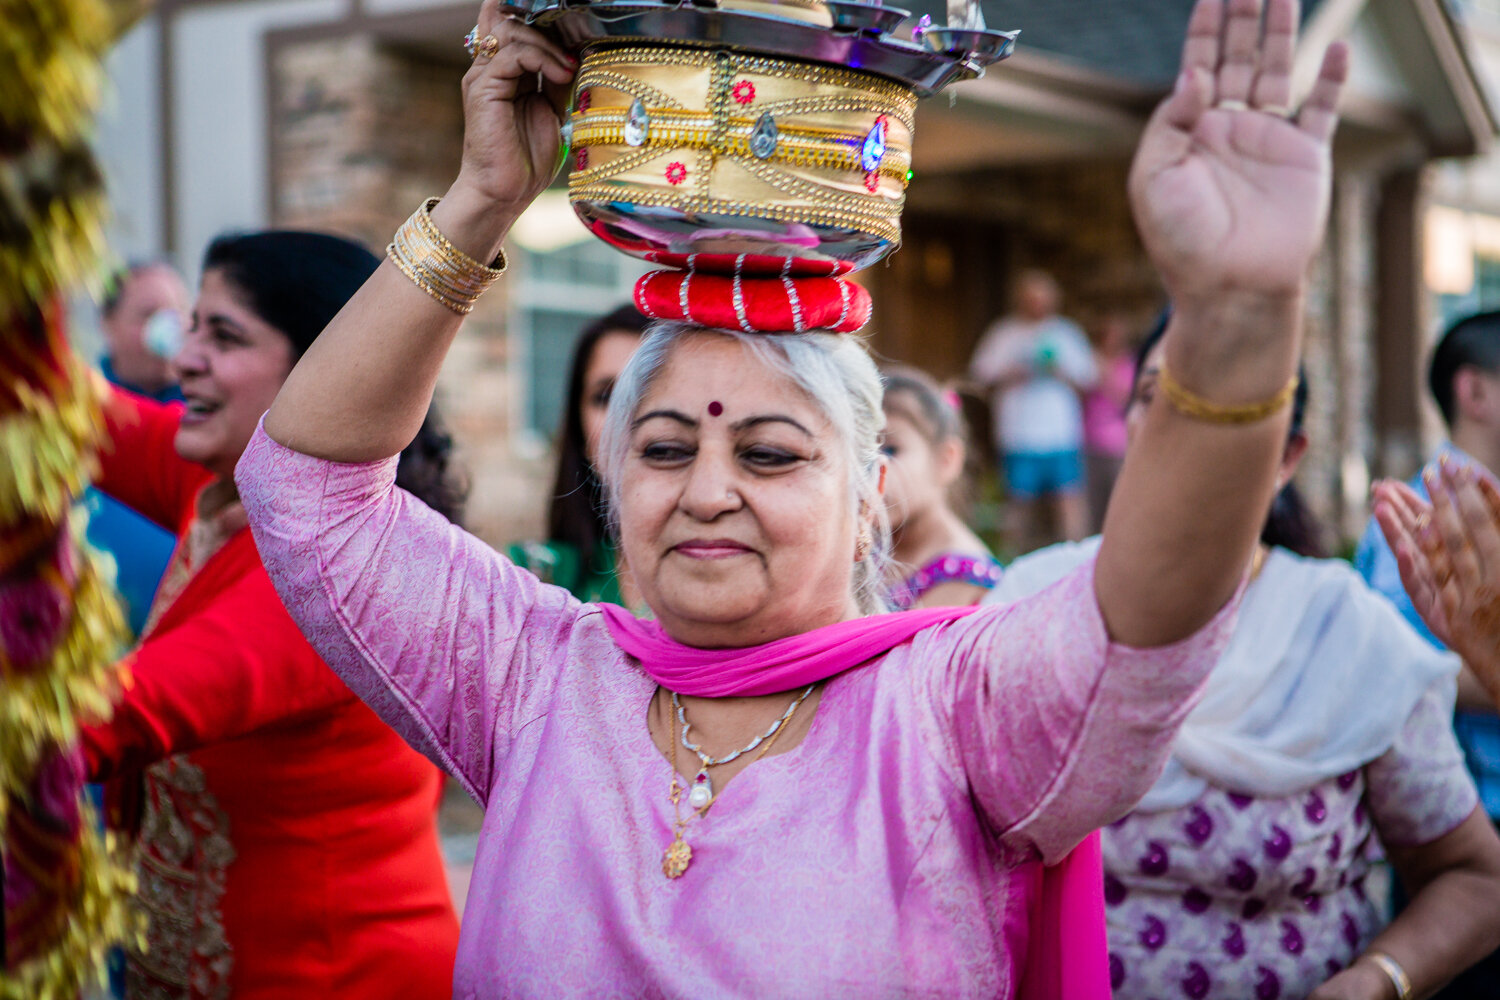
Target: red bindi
pixel 715 408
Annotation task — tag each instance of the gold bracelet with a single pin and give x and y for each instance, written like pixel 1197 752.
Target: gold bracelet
pixel 1190 404
pixel 438 267
pixel 1393 970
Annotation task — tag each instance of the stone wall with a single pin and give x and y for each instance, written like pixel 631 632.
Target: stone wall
pixel 361 132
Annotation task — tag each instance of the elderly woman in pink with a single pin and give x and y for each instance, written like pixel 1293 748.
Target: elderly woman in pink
pixel 770 790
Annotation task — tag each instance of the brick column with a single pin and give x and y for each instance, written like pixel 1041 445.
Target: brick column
pixel 1402 319
pixel 360 133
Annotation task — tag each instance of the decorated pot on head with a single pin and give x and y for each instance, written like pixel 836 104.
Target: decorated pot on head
pixel 753 139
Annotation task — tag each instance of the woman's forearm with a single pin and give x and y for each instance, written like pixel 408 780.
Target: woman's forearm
pixel 361 391
pixel 1452 923
pixel 1453 919
pixel 1192 496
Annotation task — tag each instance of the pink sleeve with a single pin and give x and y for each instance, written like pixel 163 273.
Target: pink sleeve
pixel 1419 789
pixel 1057 730
pixel 446 640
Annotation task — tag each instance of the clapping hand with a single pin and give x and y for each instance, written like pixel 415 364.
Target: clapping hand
pixel 1448 553
pixel 1230 187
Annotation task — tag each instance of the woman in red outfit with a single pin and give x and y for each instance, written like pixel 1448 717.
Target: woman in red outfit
pixel 288 843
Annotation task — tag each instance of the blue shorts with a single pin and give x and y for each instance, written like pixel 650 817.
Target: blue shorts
pixel 1032 474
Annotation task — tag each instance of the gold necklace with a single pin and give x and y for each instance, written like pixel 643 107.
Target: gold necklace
pixel 679 854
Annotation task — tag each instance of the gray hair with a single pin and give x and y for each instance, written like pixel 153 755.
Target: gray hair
pixel 836 373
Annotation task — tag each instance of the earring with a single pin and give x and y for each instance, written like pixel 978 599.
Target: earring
pixel 862 547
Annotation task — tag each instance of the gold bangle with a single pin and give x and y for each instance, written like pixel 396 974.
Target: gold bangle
pixel 1190 404
pixel 436 266
pixel 1393 971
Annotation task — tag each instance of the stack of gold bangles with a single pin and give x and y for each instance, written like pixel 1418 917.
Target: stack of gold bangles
pixel 438 267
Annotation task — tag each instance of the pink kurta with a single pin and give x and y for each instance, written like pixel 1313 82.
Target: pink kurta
pixel 893 853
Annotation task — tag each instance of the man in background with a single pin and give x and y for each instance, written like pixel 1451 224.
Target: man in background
pixel 1464 379
pixel 143 319
pixel 144 315
pixel 1035 363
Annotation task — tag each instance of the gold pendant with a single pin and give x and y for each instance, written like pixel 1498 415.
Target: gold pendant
pixel 677 857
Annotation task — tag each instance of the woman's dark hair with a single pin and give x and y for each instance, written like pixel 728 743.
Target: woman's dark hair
pixel 576 514
pixel 1472 342
pixel 296 282
pixel 427 471
pixel 1290 523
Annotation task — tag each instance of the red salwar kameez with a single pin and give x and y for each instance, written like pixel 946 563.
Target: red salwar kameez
pixel 288 845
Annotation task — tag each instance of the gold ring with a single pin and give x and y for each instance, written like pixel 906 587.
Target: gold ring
pixel 488 46
pixel 1232 105
pixel 471 40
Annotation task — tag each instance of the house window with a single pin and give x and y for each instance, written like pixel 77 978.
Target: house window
pixel 559 292
pixel 1483 296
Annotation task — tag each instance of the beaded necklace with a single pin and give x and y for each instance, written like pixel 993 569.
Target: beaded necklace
pixel 703 788
pixel 679 854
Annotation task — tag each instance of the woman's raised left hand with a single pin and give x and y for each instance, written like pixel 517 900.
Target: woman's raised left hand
pixel 1230 187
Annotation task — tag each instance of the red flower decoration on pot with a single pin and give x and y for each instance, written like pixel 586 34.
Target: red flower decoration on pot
pixel 872 181
pixel 676 173
pixel 743 92
pixel 585 99
pixel 581 159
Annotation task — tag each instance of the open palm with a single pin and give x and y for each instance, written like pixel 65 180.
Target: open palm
pixel 1231 193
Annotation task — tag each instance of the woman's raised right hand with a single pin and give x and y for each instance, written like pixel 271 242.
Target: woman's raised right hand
pixel 514 103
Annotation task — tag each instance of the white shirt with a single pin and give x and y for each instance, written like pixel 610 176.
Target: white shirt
pixel 1042 414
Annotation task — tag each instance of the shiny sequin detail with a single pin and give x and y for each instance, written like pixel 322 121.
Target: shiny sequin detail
pixel 873 149
pixel 637 124
pixel 764 137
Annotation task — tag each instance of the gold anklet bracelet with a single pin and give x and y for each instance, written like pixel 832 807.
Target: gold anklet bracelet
pixel 1194 406
pixel 438 267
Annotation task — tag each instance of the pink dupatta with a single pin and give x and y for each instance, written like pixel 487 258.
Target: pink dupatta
pixel 1067 955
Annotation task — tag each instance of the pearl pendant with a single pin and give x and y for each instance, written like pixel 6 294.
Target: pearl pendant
pixel 702 792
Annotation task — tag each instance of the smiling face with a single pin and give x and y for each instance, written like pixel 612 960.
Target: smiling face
pixel 231 366
pixel 735 519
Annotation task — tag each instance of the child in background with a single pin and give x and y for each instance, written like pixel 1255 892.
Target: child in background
pixel 937 560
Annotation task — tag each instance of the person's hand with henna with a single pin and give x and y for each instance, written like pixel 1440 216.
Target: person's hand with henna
pixel 1448 552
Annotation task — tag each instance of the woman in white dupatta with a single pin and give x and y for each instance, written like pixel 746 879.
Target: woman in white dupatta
pixel 1321 738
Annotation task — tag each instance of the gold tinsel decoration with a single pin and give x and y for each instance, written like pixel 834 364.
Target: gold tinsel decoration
pixel 74 890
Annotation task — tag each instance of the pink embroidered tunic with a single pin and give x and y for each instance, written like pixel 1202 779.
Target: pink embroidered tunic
pixel 893 853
